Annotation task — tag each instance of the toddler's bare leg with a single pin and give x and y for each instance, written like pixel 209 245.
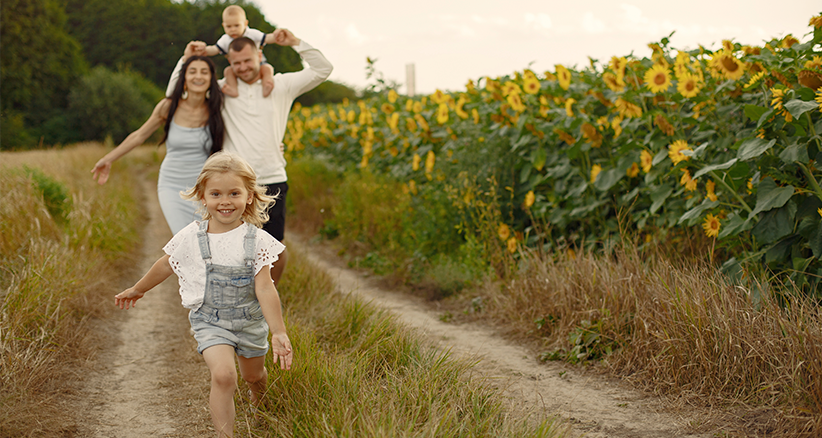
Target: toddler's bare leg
pixel 220 361
pixel 255 375
pixel 267 74
pixel 230 85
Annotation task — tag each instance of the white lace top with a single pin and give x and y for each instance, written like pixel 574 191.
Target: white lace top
pixel 226 249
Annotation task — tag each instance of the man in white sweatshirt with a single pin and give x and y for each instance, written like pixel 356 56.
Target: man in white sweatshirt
pixel 255 125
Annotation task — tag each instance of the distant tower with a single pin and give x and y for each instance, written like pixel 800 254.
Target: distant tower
pixel 410 80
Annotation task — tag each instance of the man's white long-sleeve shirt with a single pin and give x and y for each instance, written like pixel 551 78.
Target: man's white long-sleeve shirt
pixel 255 125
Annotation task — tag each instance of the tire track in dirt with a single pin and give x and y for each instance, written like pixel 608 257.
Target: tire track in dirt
pixel 592 405
pixel 147 379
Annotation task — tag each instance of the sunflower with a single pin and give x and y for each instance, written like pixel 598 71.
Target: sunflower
pixel 415 162
pixel 688 85
pixel 816 21
pixel 439 96
pixel 430 159
pixel 675 151
pixel 531 86
pixel 393 121
pixel 646 160
pixel 516 102
pixel 387 108
pixel 595 170
pixel 727 65
pixel 815 62
pixel 687 181
pixel 711 225
pixel 510 88
pixel 657 78
pixel 475 115
pixel 564 76
pixel 628 109
pixel 392 96
pixel 568 110
pixel 819 210
pixel 633 171
pixel 755 78
pixel 613 82
pixel 564 136
pixel 711 186
pixel 777 94
pixel 529 199
pixel 417 107
pixel 442 113
pixel 664 125
pixel 810 78
pixel 818 98
pixel 592 134
pixel 616 125
pixel 788 41
pixel 511 245
pixel 503 231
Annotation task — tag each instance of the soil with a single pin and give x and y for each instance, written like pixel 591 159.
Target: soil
pixel 147 379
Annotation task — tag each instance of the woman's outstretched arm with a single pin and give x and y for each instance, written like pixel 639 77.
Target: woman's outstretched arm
pixel 157 119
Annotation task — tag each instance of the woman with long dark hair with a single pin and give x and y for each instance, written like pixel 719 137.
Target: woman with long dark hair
pixel 193 131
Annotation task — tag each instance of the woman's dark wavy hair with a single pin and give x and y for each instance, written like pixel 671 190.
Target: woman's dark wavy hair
pixel 214 102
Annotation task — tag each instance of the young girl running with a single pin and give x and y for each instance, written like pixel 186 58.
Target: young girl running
pixel 223 267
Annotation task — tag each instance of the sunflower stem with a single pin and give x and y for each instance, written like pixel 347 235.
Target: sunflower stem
pixel 733 192
pixel 811 180
pixel 813 130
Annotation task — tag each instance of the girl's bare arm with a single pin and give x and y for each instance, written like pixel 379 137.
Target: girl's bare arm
pixel 272 311
pixel 156 275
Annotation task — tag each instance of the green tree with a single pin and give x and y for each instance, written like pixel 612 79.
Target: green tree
pixel 40 62
pixel 106 103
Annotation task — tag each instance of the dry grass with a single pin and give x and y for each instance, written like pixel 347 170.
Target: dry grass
pixel 54 263
pixel 677 330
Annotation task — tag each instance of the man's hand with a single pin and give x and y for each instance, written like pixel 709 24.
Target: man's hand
pixel 284 37
pixel 194 48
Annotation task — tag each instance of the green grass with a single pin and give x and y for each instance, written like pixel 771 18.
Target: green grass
pixel 357 371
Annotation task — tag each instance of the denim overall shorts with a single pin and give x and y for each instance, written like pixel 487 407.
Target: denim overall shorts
pixel 230 313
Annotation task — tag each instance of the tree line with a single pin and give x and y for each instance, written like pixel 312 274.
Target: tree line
pixel 79 70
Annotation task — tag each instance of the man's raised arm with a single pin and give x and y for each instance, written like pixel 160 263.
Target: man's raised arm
pixel 304 80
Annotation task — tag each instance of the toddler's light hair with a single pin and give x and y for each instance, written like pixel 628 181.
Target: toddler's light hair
pixel 234 11
pixel 221 162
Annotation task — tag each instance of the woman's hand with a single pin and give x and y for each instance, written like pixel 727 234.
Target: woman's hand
pixel 101 171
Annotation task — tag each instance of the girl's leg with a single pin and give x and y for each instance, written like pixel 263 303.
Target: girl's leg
pixel 255 375
pixel 220 361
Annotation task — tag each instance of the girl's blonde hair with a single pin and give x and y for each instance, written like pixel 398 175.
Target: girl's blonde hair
pixel 221 162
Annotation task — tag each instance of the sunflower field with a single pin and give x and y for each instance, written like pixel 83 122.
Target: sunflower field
pixel 725 140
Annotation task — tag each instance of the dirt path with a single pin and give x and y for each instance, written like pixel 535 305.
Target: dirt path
pixel 594 406
pixel 149 381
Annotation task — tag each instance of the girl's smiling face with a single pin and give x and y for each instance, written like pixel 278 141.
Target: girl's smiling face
pixel 225 198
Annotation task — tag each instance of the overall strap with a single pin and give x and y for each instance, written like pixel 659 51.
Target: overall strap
pixel 202 239
pixel 250 245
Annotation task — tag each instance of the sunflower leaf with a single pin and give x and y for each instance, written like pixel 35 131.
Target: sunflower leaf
pixel 607 179
pixel 775 224
pixel 659 196
pixel 734 225
pixel 795 153
pixel 696 212
pixel 754 112
pixel 753 148
pixel 770 196
pixel 797 107
pixel 722 166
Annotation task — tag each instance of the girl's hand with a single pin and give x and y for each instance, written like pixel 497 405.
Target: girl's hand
pixel 101 171
pixel 128 298
pixel 281 347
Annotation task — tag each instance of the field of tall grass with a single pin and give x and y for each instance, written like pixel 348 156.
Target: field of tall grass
pixel 663 317
pixel 63 241
pixel 66 243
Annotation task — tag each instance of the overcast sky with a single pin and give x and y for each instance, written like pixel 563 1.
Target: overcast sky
pixel 451 41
